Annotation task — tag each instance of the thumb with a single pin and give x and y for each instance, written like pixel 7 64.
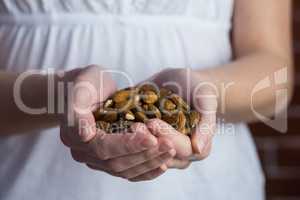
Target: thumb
pixel 155 80
pixel 202 135
pixel 79 127
pixel 86 127
pixel 181 142
pixel 205 102
pixel 80 112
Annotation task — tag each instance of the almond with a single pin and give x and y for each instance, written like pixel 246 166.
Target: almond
pixel 179 102
pixel 186 131
pixel 129 116
pixel 125 105
pixel 122 95
pixel 163 92
pixel 181 121
pixel 108 103
pixel 108 115
pixel 152 111
pixel 148 87
pixel 168 105
pixel 171 119
pixel 105 126
pixel 194 119
pixel 131 105
pixel 149 97
pixel 141 117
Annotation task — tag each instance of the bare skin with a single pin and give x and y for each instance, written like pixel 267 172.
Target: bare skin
pixel 261 40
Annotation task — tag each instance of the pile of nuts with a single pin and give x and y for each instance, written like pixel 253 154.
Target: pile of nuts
pixel 139 104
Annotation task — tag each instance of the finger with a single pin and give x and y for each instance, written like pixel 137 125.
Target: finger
pixel 148 166
pixel 205 102
pixel 83 95
pixel 80 116
pixel 202 135
pixel 83 157
pixel 80 127
pixel 178 164
pixel 124 163
pixel 108 146
pixel 150 175
pixel 64 136
pixel 205 153
pixel 71 142
pixel 86 126
pixel 99 76
pixel 181 142
pixel 158 79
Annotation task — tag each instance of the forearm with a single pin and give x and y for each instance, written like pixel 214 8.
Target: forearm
pixel 237 81
pixel 19 102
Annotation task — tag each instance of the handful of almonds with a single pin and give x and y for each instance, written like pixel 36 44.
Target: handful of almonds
pixel 139 104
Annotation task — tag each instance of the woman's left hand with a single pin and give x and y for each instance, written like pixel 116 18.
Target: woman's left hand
pixel 203 98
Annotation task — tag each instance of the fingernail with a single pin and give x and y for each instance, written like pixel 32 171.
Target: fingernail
pixel 201 145
pixel 164 167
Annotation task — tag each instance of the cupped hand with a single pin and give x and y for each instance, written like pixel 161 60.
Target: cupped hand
pixel 181 142
pixel 136 155
pixel 202 97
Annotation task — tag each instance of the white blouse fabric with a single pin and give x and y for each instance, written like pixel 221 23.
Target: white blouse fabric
pixel 139 37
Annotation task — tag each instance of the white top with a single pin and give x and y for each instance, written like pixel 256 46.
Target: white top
pixel 139 37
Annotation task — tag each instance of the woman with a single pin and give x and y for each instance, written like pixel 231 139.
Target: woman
pixel 140 38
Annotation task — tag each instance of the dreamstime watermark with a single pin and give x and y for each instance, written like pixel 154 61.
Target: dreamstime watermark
pixel 71 97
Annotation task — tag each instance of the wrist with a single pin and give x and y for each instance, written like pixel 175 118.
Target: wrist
pixel 32 97
pixel 49 94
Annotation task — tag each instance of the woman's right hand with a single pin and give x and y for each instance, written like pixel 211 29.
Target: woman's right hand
pixel 135 156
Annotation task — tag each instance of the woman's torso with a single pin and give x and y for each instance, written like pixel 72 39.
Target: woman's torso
pixel 138 37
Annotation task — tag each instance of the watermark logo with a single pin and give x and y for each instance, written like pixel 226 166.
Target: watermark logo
pixel 279 121
pixel 204 96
